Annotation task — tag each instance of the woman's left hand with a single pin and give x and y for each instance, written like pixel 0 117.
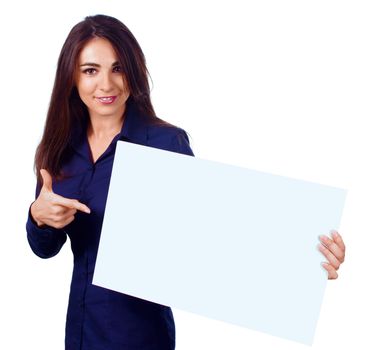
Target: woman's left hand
pixel 334 250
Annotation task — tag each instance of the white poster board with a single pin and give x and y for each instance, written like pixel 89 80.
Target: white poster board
pixel 218 240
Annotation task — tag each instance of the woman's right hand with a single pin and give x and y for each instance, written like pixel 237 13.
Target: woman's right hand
pixel 54 210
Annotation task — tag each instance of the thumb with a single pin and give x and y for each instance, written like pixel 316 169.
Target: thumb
pixel 47 180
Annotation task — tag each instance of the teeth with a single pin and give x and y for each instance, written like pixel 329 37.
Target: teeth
pixel 106 99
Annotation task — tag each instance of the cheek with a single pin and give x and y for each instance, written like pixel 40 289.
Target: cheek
pixel 86 88
pixel 122 86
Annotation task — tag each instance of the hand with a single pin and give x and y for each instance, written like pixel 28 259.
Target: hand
pixel 334 250
pixel 54 210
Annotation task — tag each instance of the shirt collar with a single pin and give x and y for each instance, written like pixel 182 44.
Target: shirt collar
pixel 134 128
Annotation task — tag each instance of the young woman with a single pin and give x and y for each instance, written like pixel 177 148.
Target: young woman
pixel 101 95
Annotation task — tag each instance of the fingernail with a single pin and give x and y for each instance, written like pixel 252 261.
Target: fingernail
pixel 334 233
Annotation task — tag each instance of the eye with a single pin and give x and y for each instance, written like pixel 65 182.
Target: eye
pixel 117 69
pixel 89 71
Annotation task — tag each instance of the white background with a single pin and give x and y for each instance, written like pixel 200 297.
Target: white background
pixel 277 86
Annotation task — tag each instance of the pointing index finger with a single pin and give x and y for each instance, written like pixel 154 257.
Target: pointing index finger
pixel 72 204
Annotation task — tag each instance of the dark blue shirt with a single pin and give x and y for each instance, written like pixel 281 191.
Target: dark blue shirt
pixel 98 318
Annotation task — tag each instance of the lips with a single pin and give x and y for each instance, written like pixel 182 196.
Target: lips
pixel 106 100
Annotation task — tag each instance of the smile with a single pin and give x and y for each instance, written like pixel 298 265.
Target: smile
pixel 106 99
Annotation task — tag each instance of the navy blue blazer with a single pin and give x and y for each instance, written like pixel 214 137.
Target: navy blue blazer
pixel 98 318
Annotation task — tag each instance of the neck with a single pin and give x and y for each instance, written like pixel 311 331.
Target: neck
pixel 104 126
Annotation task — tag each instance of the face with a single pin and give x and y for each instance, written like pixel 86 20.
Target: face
pixel 100 81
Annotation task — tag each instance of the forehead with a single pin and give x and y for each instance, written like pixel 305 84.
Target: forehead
pixel 98 50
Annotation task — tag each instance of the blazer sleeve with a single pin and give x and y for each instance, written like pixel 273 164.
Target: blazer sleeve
pixel 180 143
pixel 45 241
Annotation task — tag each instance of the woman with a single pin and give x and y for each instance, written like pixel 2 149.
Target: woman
pixel 101 95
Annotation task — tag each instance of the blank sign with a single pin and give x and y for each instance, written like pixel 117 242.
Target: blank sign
pixel 230 243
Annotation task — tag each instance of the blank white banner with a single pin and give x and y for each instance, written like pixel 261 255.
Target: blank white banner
pixel 230 243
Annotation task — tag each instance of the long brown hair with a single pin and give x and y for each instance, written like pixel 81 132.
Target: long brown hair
pixel 66 108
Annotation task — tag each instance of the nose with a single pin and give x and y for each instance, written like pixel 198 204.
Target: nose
pixel 105 83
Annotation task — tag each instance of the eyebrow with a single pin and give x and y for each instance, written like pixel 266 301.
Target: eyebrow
pixel 91 64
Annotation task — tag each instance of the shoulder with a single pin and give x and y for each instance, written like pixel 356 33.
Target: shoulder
pixel 161 134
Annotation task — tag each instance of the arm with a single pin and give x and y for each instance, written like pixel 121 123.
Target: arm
pixel 45 241
pixel 47 217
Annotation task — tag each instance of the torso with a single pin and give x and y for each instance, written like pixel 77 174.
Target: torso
pixel 99 318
